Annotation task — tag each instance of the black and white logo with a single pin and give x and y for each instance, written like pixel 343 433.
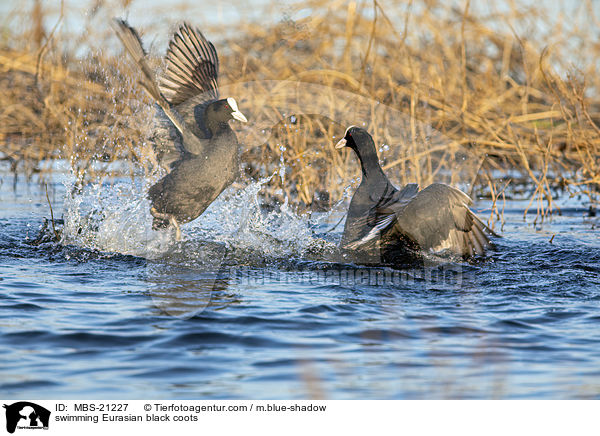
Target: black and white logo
pixel 26 415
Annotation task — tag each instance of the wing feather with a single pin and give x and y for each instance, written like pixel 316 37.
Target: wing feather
pixel 439 218
pixel 192 67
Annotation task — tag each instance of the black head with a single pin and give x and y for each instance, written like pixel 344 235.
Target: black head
pixel 357 139
pixel 363 145
pixel 221 111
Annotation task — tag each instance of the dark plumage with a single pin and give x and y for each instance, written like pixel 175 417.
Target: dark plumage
pixel 395 225
pixel 193 140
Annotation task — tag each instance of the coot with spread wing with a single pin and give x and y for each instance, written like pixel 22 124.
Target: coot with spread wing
pixel 399 224
pixel 193 140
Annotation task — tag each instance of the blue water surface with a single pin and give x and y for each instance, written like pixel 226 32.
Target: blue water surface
pixel 205 319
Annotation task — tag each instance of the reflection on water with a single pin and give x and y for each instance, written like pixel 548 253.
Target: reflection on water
pixel 184 291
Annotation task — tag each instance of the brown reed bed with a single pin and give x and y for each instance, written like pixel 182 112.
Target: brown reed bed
pixel 452 94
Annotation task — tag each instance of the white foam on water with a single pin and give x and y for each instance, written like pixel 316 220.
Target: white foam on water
pixel 113 218
pixel 238 219
pixel 116 218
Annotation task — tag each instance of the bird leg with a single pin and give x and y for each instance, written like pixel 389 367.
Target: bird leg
pixel 167 217
pixel 177 229
pixel 159 215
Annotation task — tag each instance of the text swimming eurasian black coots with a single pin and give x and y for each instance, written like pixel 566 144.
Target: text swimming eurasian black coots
pixel 398 224
pixel 193 140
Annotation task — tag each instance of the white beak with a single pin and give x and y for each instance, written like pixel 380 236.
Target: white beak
pixel 341 143
pixel 239 116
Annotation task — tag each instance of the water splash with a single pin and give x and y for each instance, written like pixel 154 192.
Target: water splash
pixel 239 219
pixel 116 218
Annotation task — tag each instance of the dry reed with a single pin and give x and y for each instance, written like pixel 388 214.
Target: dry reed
pixel 451 94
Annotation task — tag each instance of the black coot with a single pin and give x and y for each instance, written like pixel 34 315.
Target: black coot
pixel 397 225
pixel 193 140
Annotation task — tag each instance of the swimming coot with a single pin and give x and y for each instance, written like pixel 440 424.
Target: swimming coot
pixel 399 224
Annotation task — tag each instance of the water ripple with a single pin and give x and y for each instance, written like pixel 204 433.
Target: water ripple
pixel 282 319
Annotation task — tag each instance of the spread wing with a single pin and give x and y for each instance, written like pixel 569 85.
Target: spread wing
pixel 173 135
pixel 381 213
pixel 439 218
pixel 192 67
